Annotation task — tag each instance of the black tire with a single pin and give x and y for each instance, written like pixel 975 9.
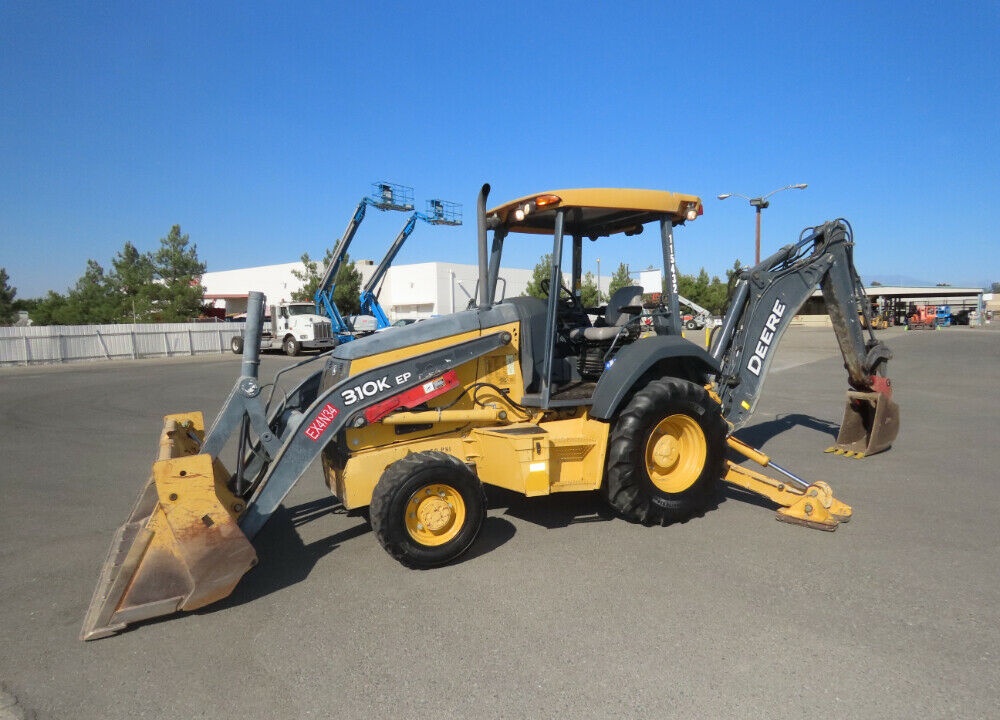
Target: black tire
pixel 691 325
pixel 427 486
pixel 291 346
pixel 236 344
pixel 666 453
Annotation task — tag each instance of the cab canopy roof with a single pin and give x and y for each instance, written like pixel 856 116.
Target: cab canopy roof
pixel 595 212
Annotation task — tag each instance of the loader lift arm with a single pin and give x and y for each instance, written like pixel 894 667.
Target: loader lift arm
pixel 188 540
pixel 439 212
pixel 763 302
pixel 385 196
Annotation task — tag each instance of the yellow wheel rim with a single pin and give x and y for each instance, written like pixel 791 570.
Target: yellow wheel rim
pixel 675 453
pixel 435 514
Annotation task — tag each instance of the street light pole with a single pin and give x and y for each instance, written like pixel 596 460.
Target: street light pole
pixel 759 203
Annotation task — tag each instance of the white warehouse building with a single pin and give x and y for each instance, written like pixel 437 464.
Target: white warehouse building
pixel 419 290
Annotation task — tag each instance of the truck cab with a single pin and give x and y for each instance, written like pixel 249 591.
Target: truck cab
pixel 292 327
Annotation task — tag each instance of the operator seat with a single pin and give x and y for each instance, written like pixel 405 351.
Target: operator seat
pixel 623 307
pixel 618 327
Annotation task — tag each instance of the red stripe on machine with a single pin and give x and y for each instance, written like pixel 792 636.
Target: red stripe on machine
pixel 413 397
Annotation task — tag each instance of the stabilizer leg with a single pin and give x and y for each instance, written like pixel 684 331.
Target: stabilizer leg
pixel 808 504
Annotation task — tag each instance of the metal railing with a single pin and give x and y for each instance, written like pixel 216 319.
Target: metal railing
pixel 55 344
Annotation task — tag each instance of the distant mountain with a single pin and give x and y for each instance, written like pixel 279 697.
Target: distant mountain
pixel 898 280
pixel 908 281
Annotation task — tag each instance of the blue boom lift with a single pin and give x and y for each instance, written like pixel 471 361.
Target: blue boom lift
pixel 439 212
pixel 385 196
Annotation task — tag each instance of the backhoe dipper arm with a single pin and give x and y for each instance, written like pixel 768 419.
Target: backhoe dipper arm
pixel 765 299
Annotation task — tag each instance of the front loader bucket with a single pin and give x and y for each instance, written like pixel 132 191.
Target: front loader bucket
pixel 871 423
pixel 181 547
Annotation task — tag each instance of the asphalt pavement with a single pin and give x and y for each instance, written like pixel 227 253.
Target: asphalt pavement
pixel 559 610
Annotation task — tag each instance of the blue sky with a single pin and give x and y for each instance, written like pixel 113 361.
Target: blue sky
pixel 257 127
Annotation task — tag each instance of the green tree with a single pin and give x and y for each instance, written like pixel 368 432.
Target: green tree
pixel 715 296
pixel 589 295
pixel 7 294
pixel 695 287
pixel 710 293
pixel 542 274
pixel 347 284
pixel 90 301
pixel 161 286
pixel 347 292
pixel 179 295
pixel 132 278
pixel 620 279
pixel 540 277
pixel 49 310
pixel 310 278
pixel 93 299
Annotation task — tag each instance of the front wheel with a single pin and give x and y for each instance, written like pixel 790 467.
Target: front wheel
pixel 666 453
pixel 691 325
pixel 236 344
pixel 427 509
pixel 291 346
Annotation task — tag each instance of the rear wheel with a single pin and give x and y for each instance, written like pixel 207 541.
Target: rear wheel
pixel 291 346
pixel 427 509
pixel 236 344
pixel 666 453
pixel 691 325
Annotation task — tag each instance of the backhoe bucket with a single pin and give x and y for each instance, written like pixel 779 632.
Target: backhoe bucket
pixel 871 423
pixel 181 547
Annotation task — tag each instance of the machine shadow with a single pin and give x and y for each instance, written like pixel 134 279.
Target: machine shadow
pixel 284 560
pixel 496 531
pixel 551 511
pixel 758 434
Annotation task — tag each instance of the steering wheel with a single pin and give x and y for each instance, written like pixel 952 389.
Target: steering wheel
pixel 569 309
pixel 566 297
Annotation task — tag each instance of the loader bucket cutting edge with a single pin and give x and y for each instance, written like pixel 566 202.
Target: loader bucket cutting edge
pixel 181 547
pixel 871 423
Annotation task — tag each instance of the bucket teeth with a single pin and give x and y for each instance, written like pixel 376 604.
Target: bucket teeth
pixel 846 453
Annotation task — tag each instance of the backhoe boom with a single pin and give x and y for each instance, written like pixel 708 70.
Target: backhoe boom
pixel 765 299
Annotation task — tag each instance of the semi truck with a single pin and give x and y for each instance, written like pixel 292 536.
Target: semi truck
pixel 291 327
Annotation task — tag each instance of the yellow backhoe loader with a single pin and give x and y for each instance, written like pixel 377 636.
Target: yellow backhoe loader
pixel 536 396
